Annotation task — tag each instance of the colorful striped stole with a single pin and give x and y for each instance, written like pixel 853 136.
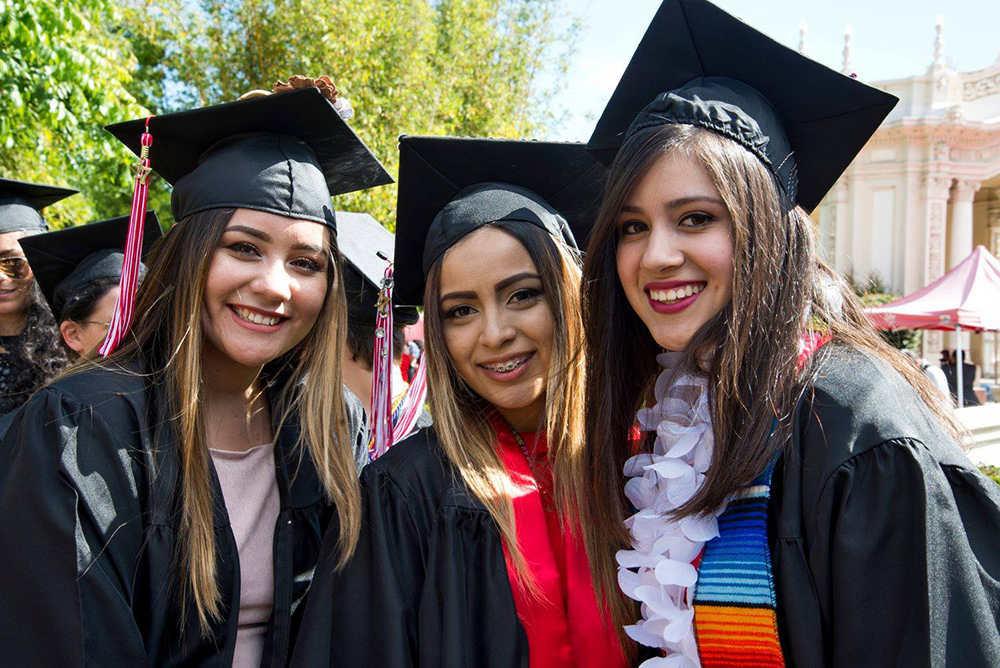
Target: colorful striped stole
pixel 734 602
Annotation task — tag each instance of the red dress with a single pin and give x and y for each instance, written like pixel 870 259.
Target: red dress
pixel 563 625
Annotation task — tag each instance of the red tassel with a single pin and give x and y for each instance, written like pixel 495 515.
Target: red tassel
pixel 121 320
pixel 380 429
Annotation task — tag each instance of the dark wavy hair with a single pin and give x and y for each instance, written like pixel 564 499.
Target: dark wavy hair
pixel 781 289
pixel 80 306
pixel 40 349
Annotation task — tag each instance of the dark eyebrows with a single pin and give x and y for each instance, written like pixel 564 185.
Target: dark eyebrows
pixel 502 285
pixel 11 251
pixel 677 203
pixel 458 295
pixel 507 282
pixel 265 237
pixel 252 231
pixel 308 247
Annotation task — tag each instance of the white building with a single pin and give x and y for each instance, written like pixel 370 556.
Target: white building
pixel 925 190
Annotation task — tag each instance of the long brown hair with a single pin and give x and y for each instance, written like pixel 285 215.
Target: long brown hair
pixel 167 338
pixel 779 288
pixel 461 419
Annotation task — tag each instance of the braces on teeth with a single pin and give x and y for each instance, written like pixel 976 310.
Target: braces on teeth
pixel 509 366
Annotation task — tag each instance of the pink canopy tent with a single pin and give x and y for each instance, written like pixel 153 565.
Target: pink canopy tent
pixel 967 297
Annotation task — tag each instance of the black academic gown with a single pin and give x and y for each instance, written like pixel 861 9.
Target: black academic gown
pixel 885 538
pixel 428 583
pixel 89 510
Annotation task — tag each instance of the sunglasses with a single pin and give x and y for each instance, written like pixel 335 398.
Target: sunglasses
pixel 14 267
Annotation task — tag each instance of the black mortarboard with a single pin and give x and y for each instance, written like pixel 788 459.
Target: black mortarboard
pixel 697 65
pixel 285 153
pixel 21 203
pixel 361 239
pixel 65 261
pixel 451 186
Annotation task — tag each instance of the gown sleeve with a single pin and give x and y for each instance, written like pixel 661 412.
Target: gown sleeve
pixel 908 562
pixel 427 585
pixel 71 533
pixel 363 615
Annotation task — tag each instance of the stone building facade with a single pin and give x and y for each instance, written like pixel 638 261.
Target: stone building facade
pixel 925 190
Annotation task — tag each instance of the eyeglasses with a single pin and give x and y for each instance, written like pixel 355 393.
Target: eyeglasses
pixel 14 267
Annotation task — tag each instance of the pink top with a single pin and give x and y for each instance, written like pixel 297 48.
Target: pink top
pixel 250 489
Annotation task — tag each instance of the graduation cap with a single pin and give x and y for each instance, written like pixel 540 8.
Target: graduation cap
pixel 367 248
pixel 21 203
pixel 451 186
pixel 66 261
pixel 285 153
pixel 697 65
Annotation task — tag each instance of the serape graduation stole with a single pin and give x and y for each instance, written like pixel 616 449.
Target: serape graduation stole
pixel 735 618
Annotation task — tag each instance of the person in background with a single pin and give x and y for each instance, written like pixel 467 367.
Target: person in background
pixel 933 372
pixel 164 506
pixel 799 495
pixel 30 350
pixel 970 376
pixel 79 270
pixel 414 350
pixel 368 247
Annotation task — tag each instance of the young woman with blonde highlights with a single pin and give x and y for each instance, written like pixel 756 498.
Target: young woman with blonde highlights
pixel 179 489
pixel 798 495
pixel 468 554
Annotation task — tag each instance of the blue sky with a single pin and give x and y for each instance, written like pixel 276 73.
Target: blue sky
pixel 890 39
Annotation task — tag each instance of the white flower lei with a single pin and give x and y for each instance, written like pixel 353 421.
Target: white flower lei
pixel 657 571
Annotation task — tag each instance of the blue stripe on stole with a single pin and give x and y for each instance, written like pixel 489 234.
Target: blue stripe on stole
pixel 734 567
pixel 730 575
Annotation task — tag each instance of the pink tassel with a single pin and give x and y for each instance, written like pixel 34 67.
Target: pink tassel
pixel 390 424
pixel 121 320
pixel 380 426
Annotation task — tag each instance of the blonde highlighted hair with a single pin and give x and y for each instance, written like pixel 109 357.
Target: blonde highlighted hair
pixel 461 417
pixel 167 338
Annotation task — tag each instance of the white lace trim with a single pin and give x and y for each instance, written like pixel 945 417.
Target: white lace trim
pixel 657 571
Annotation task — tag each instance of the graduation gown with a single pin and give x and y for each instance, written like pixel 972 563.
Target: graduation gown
pixel 89 508
pixel 428 583
pixel 885 538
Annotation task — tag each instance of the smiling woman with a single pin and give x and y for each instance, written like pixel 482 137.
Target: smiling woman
pixel 179 489
pixel 30 353
pixel 798 490
pixel 468 531
pixel 495 319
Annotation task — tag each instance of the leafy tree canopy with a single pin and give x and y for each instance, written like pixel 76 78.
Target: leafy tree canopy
pixel 63 76
pixel 460 67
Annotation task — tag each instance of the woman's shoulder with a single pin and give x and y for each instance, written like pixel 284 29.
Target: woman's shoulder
pixel 416 459
pixel 419 470
pixel 856 402
pixel 109 403
pixel 105 390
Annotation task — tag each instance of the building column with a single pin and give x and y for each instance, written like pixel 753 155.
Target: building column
pixel 960 237
pixel 993 225
pixel 960 234
pixel 991 341
pixel 935 196
pixel 838 238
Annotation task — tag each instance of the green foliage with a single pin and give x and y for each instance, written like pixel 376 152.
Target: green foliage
pixel 63 76
pixel 873 292
pixel 69 67
pixel 991 472
pixel 461 67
